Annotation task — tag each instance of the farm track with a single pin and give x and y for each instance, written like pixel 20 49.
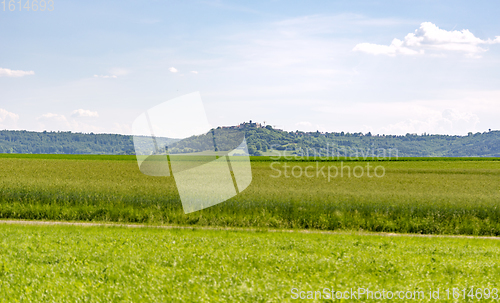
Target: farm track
pixel 358 233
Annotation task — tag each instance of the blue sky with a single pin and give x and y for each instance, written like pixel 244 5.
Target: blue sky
pixel 94 66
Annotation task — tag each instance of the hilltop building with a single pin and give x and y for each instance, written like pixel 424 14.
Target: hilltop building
pixel 244 124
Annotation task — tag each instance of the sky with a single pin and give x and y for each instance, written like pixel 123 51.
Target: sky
pixel 385 67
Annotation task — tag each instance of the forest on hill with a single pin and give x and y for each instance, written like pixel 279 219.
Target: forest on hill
pixel 263 140
pixel 28 142
pixel 486 144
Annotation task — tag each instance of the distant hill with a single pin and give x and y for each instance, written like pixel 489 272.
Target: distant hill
pixel 26 142
pixel 261 140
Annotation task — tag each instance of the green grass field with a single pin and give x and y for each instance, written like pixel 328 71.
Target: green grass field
pixel 115 264
pixel 425 195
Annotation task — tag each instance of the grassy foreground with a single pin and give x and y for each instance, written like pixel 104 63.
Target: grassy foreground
pixel 111 264
pixel 431 196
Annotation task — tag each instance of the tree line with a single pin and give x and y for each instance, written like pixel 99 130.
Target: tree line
pixel 262 140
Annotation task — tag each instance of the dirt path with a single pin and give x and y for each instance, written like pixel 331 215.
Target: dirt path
pixel 358 233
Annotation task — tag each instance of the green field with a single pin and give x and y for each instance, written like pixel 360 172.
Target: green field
pixel 116 264
pixel 424 195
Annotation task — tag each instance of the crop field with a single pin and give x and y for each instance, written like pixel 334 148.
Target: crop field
pixel 457 196
pixel 117 264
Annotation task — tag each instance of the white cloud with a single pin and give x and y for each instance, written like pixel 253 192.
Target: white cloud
pixel 8 119
pixel 429 37
pixel 194 72
pixel 84 113
pixel 114 73
pixel 455 113
pixel 173 69
pixel 57 122
pixel 119 71
pixel 324 24
pixel 105 76
pixel 443 122
pixel 122 128
pixel 6 115
pixel 5 72
pixel 51 121
pixel 395 48
pixel 53 117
